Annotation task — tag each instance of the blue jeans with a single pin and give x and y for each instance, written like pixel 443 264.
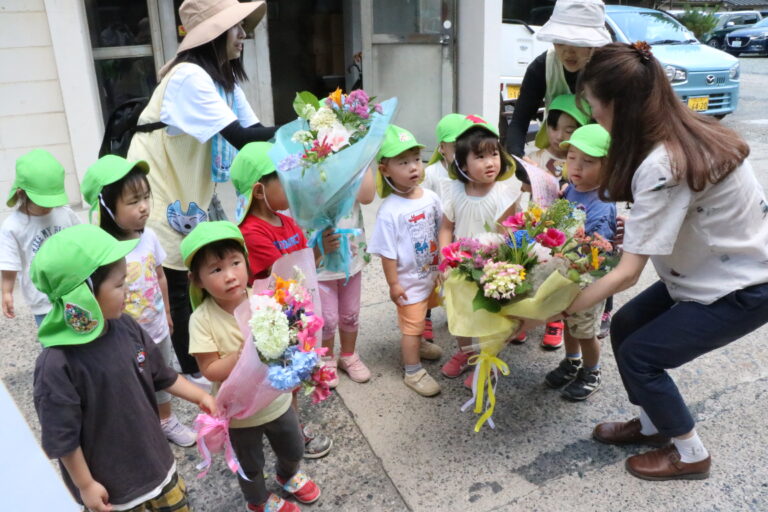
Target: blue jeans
pixel 652 333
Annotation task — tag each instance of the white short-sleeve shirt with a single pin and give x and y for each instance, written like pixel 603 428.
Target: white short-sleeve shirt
pixel 471 214
pixel 705 244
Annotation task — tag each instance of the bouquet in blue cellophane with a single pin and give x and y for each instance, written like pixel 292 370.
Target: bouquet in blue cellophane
pixel 321 159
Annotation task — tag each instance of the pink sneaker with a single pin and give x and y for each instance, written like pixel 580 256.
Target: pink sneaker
pixel 355 368
pixel 330 362
pixel 456 365
pixel 553 336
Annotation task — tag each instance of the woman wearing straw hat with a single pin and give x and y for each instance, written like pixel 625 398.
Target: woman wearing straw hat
pixel 205 119
pixel 576 28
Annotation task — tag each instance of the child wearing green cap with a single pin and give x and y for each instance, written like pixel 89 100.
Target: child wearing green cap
pixel 95 380
pixel 216 256
pixel 483 191
pixel 269 234
pixel 436 172
pixel 405 237
pixel 119 191
pixel 586 151
pixel 38 190
pixel 563 117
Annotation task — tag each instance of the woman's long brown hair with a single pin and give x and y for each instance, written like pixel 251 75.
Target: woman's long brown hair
pixel 647 112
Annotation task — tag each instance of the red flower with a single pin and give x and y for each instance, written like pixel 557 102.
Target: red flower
pixel 320 379
pixel 452 256
pixel 515 222
pixel 551 238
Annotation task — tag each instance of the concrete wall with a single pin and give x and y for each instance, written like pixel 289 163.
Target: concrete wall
pixel 479 58
pixel 32 113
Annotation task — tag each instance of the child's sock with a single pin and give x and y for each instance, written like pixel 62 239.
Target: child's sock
pixel 647 426
pixel 691 449
pixel 347 354
pixel 410 369
pixel 592 368
pixel 574 357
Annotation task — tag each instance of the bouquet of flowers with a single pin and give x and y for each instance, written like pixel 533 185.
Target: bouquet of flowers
pixel 531 268
pixel 321 159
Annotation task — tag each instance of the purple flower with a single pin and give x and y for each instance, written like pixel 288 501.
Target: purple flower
pixel 288 163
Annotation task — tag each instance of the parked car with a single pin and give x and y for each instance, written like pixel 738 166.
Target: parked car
pixel 728 22
pixel 752 39
pixel 706 79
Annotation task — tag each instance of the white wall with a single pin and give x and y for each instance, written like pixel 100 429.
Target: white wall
pixel 479 58
pixel 31 106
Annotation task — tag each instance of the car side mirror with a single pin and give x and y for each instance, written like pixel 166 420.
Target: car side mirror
pixel 730 23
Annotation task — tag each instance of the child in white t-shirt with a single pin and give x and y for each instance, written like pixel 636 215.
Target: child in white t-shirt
pixel 483 191
pixel 39 191
pixel 405 237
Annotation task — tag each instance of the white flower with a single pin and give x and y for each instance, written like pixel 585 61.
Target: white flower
pixel 308 111
pixel 336 136
pixel 324 118
pixel 302 137
pixel 490 239
pixel 269 327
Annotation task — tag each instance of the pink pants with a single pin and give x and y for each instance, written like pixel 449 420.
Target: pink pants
pixel 341 305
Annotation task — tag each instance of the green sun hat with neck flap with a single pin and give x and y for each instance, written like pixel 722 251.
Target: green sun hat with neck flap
pixel 105 171
pixel 565 103
pixel 448 128
pixel 592 139
pixel 474 121
pixel 41 177
pixel 61 269
pixel 397 140
pixel 250 165
pixel 203 234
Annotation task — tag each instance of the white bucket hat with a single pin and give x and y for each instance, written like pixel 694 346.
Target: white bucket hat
pixel 576 23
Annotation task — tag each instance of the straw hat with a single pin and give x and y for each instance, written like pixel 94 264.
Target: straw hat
pixel 576 23
pixel 205 20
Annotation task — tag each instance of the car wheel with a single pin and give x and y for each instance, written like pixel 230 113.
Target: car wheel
pixel 715 43
pixel 719 116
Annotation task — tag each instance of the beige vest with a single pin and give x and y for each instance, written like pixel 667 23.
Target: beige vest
pixel 180 170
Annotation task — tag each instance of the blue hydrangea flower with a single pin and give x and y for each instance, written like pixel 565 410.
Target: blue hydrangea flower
pixel 519 236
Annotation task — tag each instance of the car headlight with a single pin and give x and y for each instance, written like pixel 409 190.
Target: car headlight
pixel 674 74
pixel 733 74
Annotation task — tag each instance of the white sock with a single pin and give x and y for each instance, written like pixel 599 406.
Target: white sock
pixel 648 428
pixel 691 449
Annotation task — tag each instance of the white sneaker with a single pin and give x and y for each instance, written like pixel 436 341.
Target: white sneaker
pixel 178 433
pixel 199 381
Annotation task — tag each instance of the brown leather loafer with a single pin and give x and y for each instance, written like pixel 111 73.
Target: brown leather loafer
pixel 627 432
pixel 665 464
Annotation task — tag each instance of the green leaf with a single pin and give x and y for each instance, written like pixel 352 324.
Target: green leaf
pixel 303 99
pixel 477 275
pixel 482 302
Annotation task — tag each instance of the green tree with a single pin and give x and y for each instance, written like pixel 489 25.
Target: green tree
pixel 699 20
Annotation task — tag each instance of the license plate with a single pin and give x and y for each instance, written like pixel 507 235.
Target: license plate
pixel 735 43
pixel 698 104
pixel 513 92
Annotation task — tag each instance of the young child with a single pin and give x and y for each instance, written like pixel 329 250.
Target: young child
pixel 39 192
pixel 483 191
pixel 269 235
pixel 119 191
pixel 216 256
pixel 587 149
pixel 563 118
pixel 96 378
pixel 405 237
pixel 340 295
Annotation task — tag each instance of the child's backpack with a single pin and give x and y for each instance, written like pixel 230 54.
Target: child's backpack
pixel 122 124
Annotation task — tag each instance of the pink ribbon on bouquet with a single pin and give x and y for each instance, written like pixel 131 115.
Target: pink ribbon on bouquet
pixel 213 435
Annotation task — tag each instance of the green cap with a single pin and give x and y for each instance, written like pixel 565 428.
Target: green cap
pixel 41 176
pixel 592 139
pixel 107 170
pixel 203 234
pixel 565 103
pixel 448 128
pixel 60 269
pixel 250 165
pixel 396 141
pixel 475 121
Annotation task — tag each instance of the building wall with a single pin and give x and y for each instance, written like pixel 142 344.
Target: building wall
pixel 32 111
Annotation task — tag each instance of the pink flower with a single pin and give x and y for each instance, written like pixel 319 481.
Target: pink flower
pixel 452 256
pixel 551 238
pixel 320 379
pixel 515 222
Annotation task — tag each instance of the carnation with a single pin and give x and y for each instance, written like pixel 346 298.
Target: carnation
pixel 269 326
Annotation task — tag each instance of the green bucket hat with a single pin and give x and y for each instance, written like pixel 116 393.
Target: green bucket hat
pixel 203 234
pixel 592 139
pixel 61 269
pixel 41 177
pixel 396 140
pixel 446 131
pixel 474 121
pixel 250 165
pixel 105 171
pixel 565 103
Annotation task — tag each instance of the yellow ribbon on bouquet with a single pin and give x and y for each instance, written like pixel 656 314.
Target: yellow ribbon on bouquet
pixel 494 329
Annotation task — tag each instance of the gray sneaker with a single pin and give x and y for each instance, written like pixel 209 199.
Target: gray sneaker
pixel 178 433
pixel 564 373
pixel 316 445
pixel 583 386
